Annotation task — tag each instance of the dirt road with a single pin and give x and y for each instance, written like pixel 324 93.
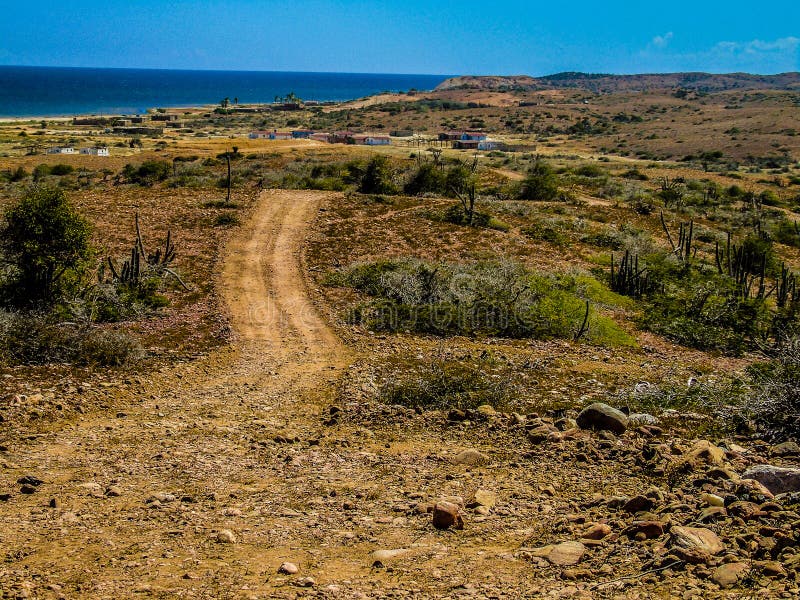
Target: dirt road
pixel 133 499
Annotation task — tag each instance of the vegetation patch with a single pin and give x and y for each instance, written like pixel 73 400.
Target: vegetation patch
pixel 484 298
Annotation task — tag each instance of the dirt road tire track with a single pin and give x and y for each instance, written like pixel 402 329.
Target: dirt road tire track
pixel 141 491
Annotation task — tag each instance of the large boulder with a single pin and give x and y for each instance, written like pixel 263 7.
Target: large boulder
pixel 601 416
pixel 777 480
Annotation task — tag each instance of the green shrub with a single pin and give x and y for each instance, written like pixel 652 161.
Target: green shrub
pixel 45 243
pixel 34 338
pixel 377 177
pixel 541 183
pixel 634 174
pixel 18 174
pixel 445 384
pixel 590 171
pixel 148 173
pixel 429 178
pixel 774 399
pixel 487 298
pixel 61 169
pixel 40 171
pixel 545 233
pixel 455 214
pixel 226 220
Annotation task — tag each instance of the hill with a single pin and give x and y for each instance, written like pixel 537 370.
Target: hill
pixel 606 83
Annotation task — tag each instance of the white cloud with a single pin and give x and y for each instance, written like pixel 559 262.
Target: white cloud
pixel 753 56
pixel 775 55
pixel 662 41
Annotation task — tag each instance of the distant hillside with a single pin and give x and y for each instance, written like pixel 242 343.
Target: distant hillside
pixel 603 83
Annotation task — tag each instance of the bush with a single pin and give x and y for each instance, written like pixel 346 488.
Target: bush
pixel 18 175
pixel 46 244
pixel 61 169
pixel 590 171
pixel 444 384
pixel 148 173
pixel 545 233
pixel 40 171
pixel 487 298
pixel 541 183
pixel 774 399
pixel 634 174
pixel 377 177
pixel 33 338
pixel 429 178
pixel 455 214
pixel 226 220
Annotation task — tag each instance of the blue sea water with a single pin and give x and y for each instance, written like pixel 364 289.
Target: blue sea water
pixel 61 91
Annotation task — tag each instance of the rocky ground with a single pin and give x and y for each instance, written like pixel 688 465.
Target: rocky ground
pixel 257 472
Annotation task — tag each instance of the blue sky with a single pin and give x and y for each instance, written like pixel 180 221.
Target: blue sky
pixel 413 36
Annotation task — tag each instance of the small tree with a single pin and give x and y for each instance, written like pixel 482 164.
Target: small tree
pixel 45 244
pixel 462 181
pixel 428 178
pixel 377 178
pixel 541 183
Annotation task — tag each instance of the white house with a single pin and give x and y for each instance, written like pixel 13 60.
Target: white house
pixel 259 135
pixel 97 151
pixel 61 150
pixel 371 139
pixel 377 140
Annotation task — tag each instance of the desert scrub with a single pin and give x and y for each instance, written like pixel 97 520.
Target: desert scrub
pixel 443 383
pixel 774 399
pixel 34 338
pixel 484 298
pixel 456 215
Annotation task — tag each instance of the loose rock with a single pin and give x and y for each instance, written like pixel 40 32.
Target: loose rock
pixel 472 458
pixel 728 575
pixel 225 536
pixel 446 515
pixel 777 480
pixel 601 416
pixel 288 568
pixel 566 554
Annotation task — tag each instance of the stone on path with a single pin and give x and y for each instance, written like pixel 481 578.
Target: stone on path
pixel 471 458
pixel 777 480
pixel 225 536
pixel 446 515
pixel 288 568
pixel 601 416
pixel 728 575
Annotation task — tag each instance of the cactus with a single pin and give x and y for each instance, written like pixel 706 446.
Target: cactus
pixel 683 250
pixel 744 265
pixel 785 288
pixel 629 279
pixel 139 265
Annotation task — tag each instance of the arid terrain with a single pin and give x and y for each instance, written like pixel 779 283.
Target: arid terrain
pixel 369 388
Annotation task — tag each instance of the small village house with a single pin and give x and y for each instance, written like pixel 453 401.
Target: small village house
pixel 61 150
pixel 320 137
pixel 342 137
pixel 371 139
pixel 96 151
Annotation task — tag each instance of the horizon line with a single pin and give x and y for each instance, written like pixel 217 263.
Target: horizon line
pixel 217 70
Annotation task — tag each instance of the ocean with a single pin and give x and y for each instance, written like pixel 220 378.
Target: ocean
pixel 63 91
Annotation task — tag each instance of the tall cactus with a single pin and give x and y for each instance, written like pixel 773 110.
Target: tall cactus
pixel 629 279
pixel 139 265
